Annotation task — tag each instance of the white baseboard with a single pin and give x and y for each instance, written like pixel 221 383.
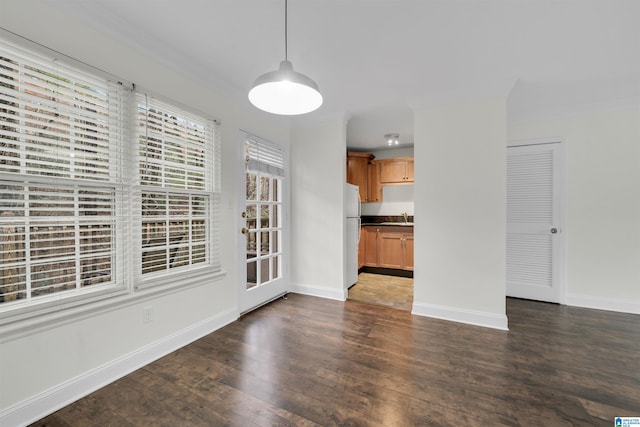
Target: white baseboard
pixel 317 291
pixel 478 318
pixel 620 306
pixel 51 400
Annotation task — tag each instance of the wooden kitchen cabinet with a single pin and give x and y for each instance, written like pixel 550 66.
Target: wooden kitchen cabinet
pixel 396 171
pixel 390 250
pixel 375 187
pixel 370 175
pixel 388 247
pixel 408 251
pixel 409 171
pixel 371 245
pixel 358 172
pixel 396 248
pixel 361 247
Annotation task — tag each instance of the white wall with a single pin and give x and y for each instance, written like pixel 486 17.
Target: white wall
pixel 603 204
pixel 64 359
pixel 318 159
pixel 460 203
pixel 396 199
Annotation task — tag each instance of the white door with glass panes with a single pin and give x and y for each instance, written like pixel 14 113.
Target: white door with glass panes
pixel 535 221
pixel 262 222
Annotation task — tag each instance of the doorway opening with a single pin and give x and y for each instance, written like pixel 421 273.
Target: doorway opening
pixel 385 261
pixel 383 289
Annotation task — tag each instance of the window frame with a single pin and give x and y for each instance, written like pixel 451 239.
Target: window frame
pixel 126 287
pixel 211 190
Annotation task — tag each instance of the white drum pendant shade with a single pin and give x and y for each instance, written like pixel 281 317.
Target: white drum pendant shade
pixel 285 92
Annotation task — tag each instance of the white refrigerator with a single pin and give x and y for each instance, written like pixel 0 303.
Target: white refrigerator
pixel 352 214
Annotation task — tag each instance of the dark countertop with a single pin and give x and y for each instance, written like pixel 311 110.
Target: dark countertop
pixel 389 224
pixel 387 220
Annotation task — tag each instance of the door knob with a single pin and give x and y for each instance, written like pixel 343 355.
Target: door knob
pixel 554 230
pixel 245 230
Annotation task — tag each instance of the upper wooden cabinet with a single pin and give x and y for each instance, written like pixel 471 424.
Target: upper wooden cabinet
pixel 358 172
pixel 375 187
pixel 396 171
pixel 370 175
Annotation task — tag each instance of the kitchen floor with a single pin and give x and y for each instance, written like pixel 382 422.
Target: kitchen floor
pixel 390 291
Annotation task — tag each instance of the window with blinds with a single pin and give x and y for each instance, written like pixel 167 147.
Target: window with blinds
pixel 176 177
pixel 92 196
pixel 58 177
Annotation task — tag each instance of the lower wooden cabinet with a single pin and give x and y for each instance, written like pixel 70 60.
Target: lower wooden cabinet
pixel 361 247
pixel 391 250
pixel 371 246
pixel 408 251
pixel 388 247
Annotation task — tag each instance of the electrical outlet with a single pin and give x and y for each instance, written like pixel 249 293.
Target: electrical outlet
pixel 147 314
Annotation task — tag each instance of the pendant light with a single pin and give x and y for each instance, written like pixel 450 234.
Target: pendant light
pixel 285 91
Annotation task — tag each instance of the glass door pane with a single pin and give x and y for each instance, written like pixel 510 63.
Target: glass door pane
pixel 263 229
pixel 263 225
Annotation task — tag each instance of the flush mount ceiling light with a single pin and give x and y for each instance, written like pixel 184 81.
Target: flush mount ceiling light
pixel 392 138
pixel 285 91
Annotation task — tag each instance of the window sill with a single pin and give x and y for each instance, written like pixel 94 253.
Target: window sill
pixel 25 321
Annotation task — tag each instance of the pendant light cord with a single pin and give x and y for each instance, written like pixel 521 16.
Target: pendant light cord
pixel 285 31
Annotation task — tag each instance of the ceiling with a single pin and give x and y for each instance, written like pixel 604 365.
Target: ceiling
pixel 376 60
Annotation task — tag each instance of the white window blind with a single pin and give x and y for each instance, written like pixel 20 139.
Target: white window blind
pixel 263 156
pixel 178 166
pixel 99 189
pixel 60 164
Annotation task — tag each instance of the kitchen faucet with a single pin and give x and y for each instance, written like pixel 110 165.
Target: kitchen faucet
pixel 405 216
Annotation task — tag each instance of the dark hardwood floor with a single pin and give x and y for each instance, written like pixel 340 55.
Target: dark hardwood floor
pixel 308 361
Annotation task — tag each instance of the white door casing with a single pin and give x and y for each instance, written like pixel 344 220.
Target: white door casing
pixel 536 231
pixel 262 221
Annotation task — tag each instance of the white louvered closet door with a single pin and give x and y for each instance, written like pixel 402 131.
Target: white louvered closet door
pixel 535 232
